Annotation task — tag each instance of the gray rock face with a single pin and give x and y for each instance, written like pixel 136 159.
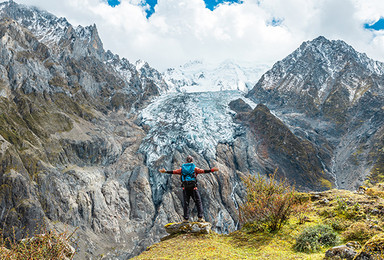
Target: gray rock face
pixel 293 158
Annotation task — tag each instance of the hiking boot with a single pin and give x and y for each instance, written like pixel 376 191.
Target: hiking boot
pixel 200 220
pixel 185 220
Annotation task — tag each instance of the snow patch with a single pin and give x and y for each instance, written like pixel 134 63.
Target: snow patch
pixel 139 64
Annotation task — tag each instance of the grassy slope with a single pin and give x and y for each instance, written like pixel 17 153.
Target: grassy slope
pixel 238 245
pixel 242 245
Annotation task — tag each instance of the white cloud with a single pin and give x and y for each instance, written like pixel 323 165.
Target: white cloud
pixel 181 30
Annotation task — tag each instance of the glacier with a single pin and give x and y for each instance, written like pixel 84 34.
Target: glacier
pixel 198 120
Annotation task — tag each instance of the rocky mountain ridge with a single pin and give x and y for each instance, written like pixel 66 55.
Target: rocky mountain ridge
pixel 336 95
pixel 316 69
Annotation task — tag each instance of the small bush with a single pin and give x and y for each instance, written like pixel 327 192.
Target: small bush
pixel 348 211
pixel 326 213
pixel 301 211
pixel 312 239
pixel 301 197
pixel 341 206
pixel 338 224
pixel 50 245
pixel 358 231
pixel 268 205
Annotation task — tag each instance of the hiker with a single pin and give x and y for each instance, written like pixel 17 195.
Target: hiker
pixel 188 172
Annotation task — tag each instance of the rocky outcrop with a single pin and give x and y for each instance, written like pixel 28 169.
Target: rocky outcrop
pixel 240 106
pixel 340 252
pixel 189 227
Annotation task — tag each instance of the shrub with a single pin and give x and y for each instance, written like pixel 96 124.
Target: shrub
pixel 50 245
pixel 349 212
pixel 358 231
pixel 326 213
pixel 341 206
pixel 301 197
pixel 338 224
pixel 312 239
pixel 374 192
pixel 301 211
pixel 268 205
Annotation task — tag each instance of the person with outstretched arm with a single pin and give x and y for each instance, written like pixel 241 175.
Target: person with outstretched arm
pixel 188 172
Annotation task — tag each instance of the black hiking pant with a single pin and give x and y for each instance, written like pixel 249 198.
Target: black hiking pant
pixel 194 193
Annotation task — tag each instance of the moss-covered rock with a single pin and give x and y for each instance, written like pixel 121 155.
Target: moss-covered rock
pixel 373 249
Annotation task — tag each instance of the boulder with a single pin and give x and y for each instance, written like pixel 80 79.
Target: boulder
pixel 189 227
pixel 340 252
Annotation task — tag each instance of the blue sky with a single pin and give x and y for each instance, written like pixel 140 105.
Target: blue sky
pixel 113 3
pixel 378 25
pixel 169 33
pixel 210 4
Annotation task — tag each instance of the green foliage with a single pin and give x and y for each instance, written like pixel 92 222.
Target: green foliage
pixel 358 231
pixel 326 183
pixel 327 213
pixel 301 197
pixel 312 239
pixel 338 224
pixel 374 192
pixel 50 245
pixel 348 211
pixel 377 155
pixel 342 206
pixel 377 174
pixel 268 205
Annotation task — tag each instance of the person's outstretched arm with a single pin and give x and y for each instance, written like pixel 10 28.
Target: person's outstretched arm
pixel 198 170
pixel 178 171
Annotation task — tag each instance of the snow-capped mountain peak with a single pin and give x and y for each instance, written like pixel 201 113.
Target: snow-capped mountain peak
pixel 199 76
pixel 318 67
pixel 54 32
